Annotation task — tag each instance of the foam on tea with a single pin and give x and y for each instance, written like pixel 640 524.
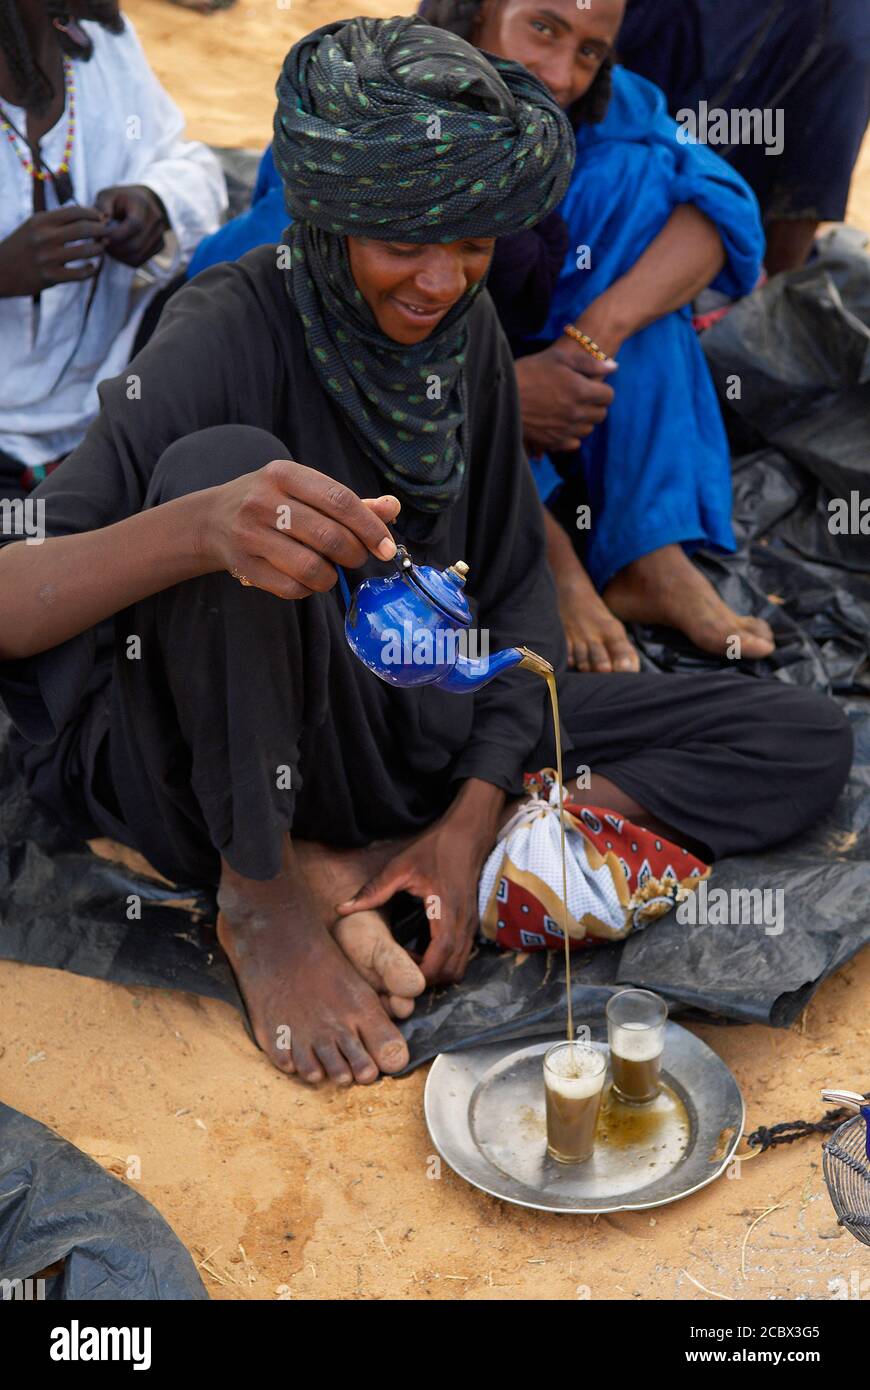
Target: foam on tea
pixel 636 1042
pixel 575 1077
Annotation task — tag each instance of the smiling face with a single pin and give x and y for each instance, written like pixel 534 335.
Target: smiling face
pixel 411 288
pixel 561 43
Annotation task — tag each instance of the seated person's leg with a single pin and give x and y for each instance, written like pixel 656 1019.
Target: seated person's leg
pixel 718 763
pixel 595 639
pixel 824 117
pixel 658 473
pixel 224 747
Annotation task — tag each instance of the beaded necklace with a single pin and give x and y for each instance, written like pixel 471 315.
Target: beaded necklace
pixel 60 176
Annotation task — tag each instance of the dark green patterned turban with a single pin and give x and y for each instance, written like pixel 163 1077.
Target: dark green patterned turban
pixel 398 131
pixel 395 129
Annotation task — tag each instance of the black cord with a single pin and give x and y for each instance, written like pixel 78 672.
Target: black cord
pixel 62 182
pixel 768 1137
pixel 63 190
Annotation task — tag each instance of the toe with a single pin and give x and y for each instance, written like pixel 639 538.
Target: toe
pixel 363 1067
pixel 599 657
pixel 622 654
pixel 306 1063
pixel 282 1058
pixel 759 628
pixel 386 1044
pixel 336 1067
pixel 276 1043
pixel 393 1056
pixel 357 936
pixel 757 647
pixel 397 972
pixel 581 656
pixel 399 1006
pixel 756 638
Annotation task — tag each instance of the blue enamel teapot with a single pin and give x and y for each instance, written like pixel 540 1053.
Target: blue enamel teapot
pixel 413 627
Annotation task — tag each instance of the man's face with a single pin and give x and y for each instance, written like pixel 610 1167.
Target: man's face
pixel 410 288
pixel 559 41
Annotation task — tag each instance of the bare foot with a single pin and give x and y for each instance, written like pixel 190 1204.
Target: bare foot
pixel 665 587
pixel 367 941
pixel 311 1010
pixel 596 640
pixel 334 875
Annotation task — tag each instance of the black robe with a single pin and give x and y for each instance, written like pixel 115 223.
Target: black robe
pixel 244 716
pixel 230 349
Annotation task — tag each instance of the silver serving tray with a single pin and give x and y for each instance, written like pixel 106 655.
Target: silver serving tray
pixel 485 1113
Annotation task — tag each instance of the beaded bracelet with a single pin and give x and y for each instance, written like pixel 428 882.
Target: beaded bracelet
pixel 585 342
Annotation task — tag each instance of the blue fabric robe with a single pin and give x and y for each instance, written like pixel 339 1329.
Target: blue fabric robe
pixel 263 223
pixel 658 469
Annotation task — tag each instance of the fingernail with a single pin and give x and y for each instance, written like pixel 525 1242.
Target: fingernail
pixel 387 548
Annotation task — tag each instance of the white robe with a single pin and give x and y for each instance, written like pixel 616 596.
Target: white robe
pixel 128 131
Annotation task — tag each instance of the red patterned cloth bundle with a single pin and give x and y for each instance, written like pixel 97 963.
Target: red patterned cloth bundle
pixel 620 876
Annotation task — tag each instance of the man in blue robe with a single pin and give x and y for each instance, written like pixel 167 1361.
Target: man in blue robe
pixel 648 222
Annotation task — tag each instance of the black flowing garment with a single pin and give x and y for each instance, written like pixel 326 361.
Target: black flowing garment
pixel 235 716
pixel 230 349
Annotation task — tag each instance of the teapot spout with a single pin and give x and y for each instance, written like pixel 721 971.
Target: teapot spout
pixel 530 661
pixel 470 674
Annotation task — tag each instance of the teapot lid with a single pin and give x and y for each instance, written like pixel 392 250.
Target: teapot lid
pixel 442 588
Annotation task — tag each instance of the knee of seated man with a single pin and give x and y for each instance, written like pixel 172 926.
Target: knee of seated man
pixel 823 740
pixel 210 457
pixel 841 740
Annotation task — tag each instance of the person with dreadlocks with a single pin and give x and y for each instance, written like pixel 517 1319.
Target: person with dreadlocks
pixel 97 181
pixel 296 405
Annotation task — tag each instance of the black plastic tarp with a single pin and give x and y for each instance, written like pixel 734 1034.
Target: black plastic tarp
pixel 801 430
pixel 58 1205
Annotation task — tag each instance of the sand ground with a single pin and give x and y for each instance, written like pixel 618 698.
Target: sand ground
pixel 286 1193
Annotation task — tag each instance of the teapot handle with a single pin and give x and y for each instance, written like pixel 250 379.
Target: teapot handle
pixel 402 560
pixel 343 584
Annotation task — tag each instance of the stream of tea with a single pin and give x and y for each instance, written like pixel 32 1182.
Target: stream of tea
pixel 557 734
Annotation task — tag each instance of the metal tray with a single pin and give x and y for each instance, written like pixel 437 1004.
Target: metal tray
pixel 485 1113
